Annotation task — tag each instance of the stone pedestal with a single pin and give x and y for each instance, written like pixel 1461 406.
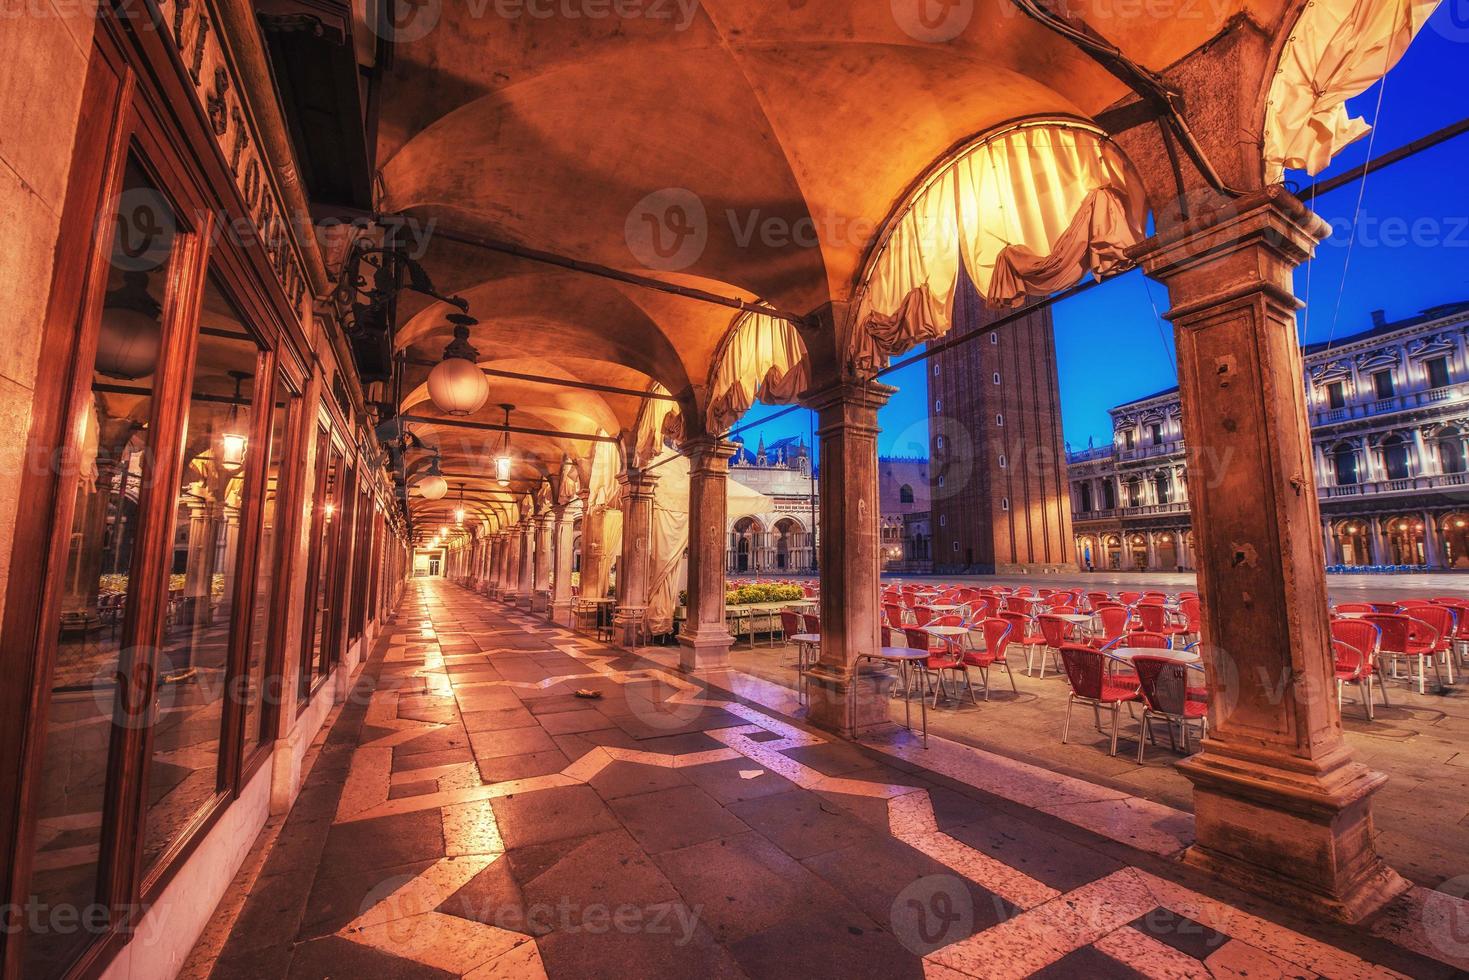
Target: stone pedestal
pixel 704 640
pixel 850 552
pixel 633 568
pixel 853 705
pixel 1281 808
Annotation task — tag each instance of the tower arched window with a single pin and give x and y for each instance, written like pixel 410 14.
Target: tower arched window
pixel 905 494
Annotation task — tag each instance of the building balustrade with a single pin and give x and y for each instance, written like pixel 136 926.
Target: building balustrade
pixel 1397 403
pixel 1410 484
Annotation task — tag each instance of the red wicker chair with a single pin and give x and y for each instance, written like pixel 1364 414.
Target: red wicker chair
pixel 1163 684
pixel 1092 683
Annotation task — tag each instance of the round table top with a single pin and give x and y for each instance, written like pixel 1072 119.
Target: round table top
pixel 946 630
pixel 804 638
pixel 1073 617
pixel 943 608
pixel 1350 615
pixel 1127 653
pixel 901 653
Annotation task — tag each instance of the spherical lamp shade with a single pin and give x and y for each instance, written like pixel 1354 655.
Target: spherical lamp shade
pixel 433 487
pixel 128 343
pixel 458 387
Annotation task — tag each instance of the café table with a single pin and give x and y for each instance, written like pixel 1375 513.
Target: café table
pixel 1127 653
pixel 905 657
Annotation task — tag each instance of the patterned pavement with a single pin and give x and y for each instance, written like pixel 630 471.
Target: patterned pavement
pixel 470 815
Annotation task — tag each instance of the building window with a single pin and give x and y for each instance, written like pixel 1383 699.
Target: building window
pixel 997 377
pixel 943 520
pixel 999 420
pixel 939 441
pixel 1155 432
pixel 1085 497
pixel 955 544
pixel 1451 454
pixel 1382 384
pixel 994 337
pixel 935 369
pixel 938 405
pixel 1438 372
pixel 1002 461
pixel 1161 487
pixel 1004 503
pixel 1395 457
pixel 1129 439
pixel 1336 395
pixel 905 494
pixel 1344 463
pixel 941 479
pixel 1109 495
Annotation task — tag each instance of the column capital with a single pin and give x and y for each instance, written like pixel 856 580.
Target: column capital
pixel 637 483
pixel 1228 244
pixel 871 395
pixel 707 446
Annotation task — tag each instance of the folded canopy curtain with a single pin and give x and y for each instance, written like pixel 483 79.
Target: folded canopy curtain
pixel 763 359
pixel 1028 211
pixel 658 422
pixel 1336 51
pixel 671 534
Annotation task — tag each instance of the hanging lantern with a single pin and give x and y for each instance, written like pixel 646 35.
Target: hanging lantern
pixel 234 441
pixel 503 460
pixel 459 511
pixel 456 384
pixel 130 335
pixel 433 486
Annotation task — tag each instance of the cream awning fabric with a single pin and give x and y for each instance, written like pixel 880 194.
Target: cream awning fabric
pixel 762 359
pixel 1337 50
pixel 1028 210
pixel 671 534
pixel 658 422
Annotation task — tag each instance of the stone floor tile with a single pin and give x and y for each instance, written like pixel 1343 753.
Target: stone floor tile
pixel 676 817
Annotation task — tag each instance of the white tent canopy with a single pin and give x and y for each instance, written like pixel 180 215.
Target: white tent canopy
pixel 671 534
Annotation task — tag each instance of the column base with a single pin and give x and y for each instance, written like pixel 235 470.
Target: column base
pixel 627 631
pixel 561 612
pixel 852 707
pixel 704 651
pixel 1302 838
pixel 540 601
pixel 508 597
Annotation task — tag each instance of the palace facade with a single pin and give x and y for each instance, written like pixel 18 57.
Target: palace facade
pixel 784 540
pixel 1389 416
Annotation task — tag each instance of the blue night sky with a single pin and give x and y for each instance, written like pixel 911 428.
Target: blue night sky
pixel 1411 252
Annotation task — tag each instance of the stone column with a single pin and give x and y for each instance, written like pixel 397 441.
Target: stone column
pixel 1328 538
pixel 561 566
pixel 704 641
pixel 1280 806
pixel 593 523
pixel 633 567
pixel 1151 544
pixel 525 575
pixel 1432 545
pixel 541 570
pixel 1381 553
pixel 510 574
pixel 850 549
pixel 492 571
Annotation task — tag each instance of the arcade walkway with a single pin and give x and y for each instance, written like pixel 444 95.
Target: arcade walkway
pixel 469 815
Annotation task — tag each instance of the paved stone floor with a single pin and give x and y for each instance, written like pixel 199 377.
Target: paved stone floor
pixel 1421 741
pixel 469 815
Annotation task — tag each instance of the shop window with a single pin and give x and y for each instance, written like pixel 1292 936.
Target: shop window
pixel 102 575
pixel 193 670
pixel 1382 384
pixel 263 607
pixel 322 565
